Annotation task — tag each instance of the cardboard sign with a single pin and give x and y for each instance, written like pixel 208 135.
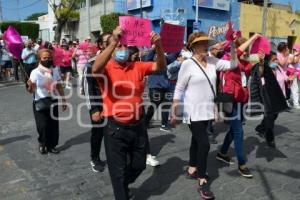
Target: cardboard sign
pixel 172 37
pixel 261 44
pixel 136 31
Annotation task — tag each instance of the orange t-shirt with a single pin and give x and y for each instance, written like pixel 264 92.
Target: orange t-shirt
pixel 122 88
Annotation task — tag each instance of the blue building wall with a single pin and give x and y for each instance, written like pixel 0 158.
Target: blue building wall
pixel 207 17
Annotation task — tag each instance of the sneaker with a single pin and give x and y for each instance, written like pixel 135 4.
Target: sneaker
pixel 204 191
pixel 245 172
pixel 68 87
pixel 296 107
pixel 42 149
pixel 224 158
pixel 53 150
pixel 165 128
pixel 151 160
pixel 97 165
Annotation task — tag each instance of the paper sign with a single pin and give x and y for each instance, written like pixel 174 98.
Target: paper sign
pixel 136 31
pixel 261 44
pixel 172 37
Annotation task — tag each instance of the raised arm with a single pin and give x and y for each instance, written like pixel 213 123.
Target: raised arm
pixel 224 65
pixel 103 58
pixel 161 62
pixel 249 42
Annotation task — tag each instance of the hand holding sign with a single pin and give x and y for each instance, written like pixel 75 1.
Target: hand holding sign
pixel 136 31
pixel 117 33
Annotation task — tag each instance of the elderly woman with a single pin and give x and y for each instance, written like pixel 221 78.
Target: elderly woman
pixel 44 84
pixel 197 80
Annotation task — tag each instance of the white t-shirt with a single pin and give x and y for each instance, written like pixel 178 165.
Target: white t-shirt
pixel 198 96
pixel 39 78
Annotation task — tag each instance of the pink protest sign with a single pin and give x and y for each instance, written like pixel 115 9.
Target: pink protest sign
pixel 230 32
pixel 172 37
pixel 136 31
pixel 261 44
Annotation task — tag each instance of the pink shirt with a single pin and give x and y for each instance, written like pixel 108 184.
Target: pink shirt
pixel 57 56
pixel 67 57
pixel 281 78
pixel 82 57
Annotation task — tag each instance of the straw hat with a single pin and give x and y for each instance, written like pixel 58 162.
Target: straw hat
pixel 210 41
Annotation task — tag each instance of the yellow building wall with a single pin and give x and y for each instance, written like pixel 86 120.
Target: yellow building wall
pixel 278 22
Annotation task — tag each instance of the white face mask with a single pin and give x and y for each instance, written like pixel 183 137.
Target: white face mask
pixel 253 58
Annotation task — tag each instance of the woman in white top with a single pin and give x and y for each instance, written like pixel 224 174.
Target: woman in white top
pixel 199 106
pixel 44 82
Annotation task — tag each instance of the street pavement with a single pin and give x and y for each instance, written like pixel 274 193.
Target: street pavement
pixel 27 175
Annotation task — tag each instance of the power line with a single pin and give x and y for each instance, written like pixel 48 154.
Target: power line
pixel 27 6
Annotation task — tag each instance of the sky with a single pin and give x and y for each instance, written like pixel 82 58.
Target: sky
pixel 28 7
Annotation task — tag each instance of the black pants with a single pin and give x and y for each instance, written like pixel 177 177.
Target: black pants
pixel 157 97
pixel 16 64
pixel 199 147
pixel 47 127
pixel 125 154
pixel 96 139
pixel 28 70
pixel 267 126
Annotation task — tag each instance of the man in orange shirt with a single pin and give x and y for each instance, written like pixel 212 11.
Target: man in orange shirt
pixel 121 83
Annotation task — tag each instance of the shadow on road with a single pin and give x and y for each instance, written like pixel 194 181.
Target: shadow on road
pixel 79 139
pixel 157 143
pixel 161 179
pixel 14 139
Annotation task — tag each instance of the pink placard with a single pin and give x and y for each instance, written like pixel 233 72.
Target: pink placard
pixel 261 44
pixel 172 37
pixel 136 31
pixel 230 32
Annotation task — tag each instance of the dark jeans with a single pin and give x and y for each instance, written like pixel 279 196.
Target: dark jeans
pixel 96 139
pixel 236 134
pixel 157 97
pixel 125 147
pixel 47 127
pixel 199 147
pixel 267 126
pixel 16 64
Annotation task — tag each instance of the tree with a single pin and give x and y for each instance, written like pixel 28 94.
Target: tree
pixel 64 11
pixel 110 21
pixel 35 16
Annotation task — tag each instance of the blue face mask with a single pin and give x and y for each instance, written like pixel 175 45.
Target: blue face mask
pixel 121 56
pixel 273 65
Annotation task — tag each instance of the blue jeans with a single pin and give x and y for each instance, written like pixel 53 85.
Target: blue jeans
pixel 236 134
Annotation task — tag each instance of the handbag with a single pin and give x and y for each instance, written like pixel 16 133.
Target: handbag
pixel 43 104
pixel 224 100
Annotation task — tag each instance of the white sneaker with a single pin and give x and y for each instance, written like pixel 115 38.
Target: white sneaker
pixel 152 161
pixel 68 87
pixel 296 107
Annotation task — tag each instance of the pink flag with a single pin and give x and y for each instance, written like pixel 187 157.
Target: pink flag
pixel 261 44
pixel 172 37
pixel 13 42
pixel 136 31
pixel 230 32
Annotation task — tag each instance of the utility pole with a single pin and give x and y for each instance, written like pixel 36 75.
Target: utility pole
pixel 197 11
pixel 88 17
pixel 264 19
pixel 1 15
pixel 141 8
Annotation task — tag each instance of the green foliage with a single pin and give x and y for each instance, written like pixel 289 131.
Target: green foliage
pixel 110 22
pixel 24 28
pixel 67 14
pixel 35 16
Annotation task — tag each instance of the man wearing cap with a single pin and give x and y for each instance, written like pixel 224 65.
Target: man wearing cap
pixel 122 86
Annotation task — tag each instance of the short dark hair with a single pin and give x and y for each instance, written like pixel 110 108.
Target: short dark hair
pixel 281 46
pixel 100 38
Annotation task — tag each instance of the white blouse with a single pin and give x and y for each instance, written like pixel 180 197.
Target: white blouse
pixel 198 100
pixel 39 78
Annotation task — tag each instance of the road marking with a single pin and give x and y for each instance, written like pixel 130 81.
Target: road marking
pixel 16 181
